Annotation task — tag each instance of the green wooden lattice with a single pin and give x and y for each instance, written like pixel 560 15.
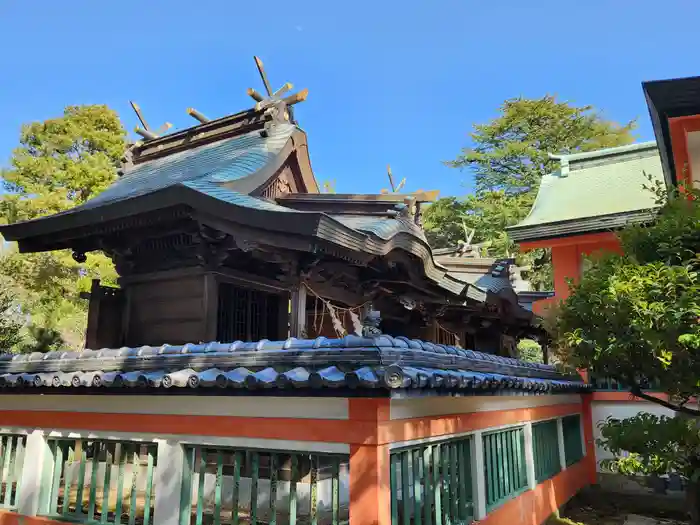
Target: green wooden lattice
pixel 12 448
pixel 504 465
pixel 262 487
pixel 96 481
pixel 431 484
pixel 573 444
pixel 545 450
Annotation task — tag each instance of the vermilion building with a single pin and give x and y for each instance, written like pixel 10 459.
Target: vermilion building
pixel 580 207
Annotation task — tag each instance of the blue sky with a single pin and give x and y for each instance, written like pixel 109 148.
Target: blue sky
pixel 390 82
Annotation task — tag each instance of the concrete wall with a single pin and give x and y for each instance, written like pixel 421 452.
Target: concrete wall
pixel 601 410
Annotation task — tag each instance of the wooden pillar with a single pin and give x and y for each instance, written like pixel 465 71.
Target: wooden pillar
pixel 93 320
pixel 34 466
pixel 589 441
pixel 370 483
pixel 297 324
pixel 429 332
pixel 562 444
pixel 284 315
pixel 126 316
pixel 211 307
pixel 529 457
pixel 370 489
pixel 478 475
pixel 566 262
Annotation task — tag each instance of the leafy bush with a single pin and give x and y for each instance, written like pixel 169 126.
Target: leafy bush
pixel 530 351
pixel 648 444
pixel 43 339
pixel 638 315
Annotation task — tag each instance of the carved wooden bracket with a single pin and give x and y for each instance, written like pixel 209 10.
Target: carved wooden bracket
pixel 213 246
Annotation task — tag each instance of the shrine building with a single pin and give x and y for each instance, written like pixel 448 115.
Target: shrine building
pixel 277 355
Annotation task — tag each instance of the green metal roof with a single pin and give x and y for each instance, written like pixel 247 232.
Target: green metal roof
pixel 593 191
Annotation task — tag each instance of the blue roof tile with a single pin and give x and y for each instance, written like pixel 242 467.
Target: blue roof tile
pixel 351 362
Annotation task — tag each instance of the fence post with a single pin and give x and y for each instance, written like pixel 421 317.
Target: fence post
pixel 478 477
pixel 370 485
pixel 168 478
pixel 562 450
pixel 529 457
pixel 589 441
pixel 35 451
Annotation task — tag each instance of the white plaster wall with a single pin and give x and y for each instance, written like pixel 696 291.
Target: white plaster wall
pixel 286 407
pixel 601 410
pixel 694 154
pixel 441 406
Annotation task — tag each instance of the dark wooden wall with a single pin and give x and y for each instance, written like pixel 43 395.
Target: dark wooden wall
pixel 172 310
pixel 105 317
pixel 180 307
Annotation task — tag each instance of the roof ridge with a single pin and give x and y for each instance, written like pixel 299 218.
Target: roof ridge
pixel 605 152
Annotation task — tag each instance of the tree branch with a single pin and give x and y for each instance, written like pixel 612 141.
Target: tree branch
pixel 637 392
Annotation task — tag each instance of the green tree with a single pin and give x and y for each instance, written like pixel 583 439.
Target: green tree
pixel 511 153
pixel 507 159
pixel 636 318
pixel 530 350
pixel 651 445
pixel 10 326
pixel 59 164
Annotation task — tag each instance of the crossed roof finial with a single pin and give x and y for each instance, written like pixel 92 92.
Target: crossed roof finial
pixel 275 97
pixel 146 132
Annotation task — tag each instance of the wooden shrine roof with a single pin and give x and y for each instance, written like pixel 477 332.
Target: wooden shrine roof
pixel 214 172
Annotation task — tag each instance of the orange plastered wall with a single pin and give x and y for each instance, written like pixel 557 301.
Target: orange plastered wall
pixel 567 257
pixel 535 506
pixel 369 430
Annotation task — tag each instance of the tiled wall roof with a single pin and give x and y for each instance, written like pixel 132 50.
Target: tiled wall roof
pixel 382 362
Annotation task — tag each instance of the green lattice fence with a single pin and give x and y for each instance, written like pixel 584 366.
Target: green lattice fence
pixel 95 481
pixel 504 465
pixel 431 484
pixel 573 444
pixel 11 458
pixel 545 449
pixel 261 487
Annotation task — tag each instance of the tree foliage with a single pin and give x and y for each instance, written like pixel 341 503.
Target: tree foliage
pixel 10 325
pixel 508 157
pixel 59 164
pixel 530 350
pixel 636 316
pixel 511 153
pixel 62 162
pixel 649 444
